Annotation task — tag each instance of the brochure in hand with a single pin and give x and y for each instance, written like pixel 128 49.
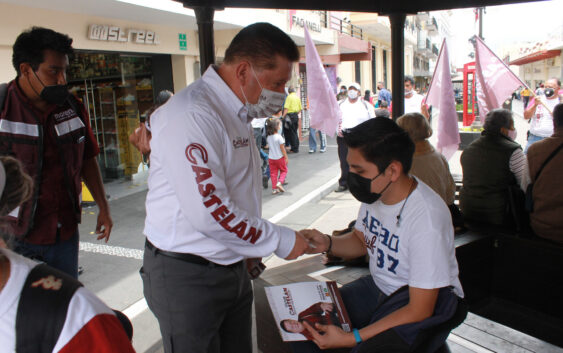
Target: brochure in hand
pixel 313 302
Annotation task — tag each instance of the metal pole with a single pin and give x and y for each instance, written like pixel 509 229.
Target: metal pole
pixel 204 18
pixel 481 23
pixel 398 62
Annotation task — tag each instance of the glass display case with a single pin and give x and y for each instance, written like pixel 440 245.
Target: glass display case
pixel 117 91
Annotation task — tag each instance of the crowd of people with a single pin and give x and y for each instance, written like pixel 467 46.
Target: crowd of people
pixel 205 236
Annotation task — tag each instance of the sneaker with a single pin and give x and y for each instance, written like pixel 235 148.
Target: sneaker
pixel 323 150
pixel 265 181
pixel 311 151
pixel 341 188
pixel 280 187
pixel 275 191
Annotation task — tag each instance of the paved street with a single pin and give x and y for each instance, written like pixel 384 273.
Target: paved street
pixel 111 270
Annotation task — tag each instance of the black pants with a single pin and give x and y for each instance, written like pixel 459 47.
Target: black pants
pixel 344 167
pixel 200 308
pixel 291 133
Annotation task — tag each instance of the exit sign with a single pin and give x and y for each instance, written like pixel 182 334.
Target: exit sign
pixel 182 41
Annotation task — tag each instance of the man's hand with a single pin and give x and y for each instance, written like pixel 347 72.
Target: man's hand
pixel 424 110
pixel 327 307
pixel 105 221
pixel 318 242
pixel 300 247
pixel 334 336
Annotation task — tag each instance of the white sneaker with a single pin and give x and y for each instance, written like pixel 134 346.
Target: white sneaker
pixel 323 150
pixel 280 187
pixel 311 151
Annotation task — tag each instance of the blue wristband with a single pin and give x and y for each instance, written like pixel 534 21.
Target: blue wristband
pixel 357 336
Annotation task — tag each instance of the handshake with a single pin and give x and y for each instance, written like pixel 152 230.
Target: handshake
pixel 309 241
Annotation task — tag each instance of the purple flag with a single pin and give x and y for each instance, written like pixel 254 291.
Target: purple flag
pixel 323 108
pixel 494 80
pixel 441 97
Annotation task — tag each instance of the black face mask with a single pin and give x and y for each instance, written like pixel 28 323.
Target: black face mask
pixel 360 188
pixel 549 92
pixel 54 94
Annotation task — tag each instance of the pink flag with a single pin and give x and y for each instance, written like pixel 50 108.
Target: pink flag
pixel 323 108
pixel 494 80
pixel 441 97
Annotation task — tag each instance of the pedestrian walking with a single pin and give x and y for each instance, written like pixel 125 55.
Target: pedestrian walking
pixel 277 155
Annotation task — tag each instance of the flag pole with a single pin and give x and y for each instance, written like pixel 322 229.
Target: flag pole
pixel 475 38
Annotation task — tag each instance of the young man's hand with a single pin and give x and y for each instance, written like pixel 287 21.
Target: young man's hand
pixel 334 336
pixel 318 242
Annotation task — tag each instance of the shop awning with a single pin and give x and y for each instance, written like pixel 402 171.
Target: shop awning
pixel 537 56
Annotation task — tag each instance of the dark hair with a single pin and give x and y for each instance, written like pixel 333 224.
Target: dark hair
pixel 497 119
pixel 260 43
pixel 410 79
pixel 17 189
pixel 558 115
pixel 381 141
pixel 291 90
pixel 30 46
pixel 272 125
pixel 344 86
pixel 162 97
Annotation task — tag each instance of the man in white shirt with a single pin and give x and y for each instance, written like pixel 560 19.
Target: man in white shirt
pixel 542 119
pixel 204 201
pixel 414 101
pixel 406 230
pixel 354 111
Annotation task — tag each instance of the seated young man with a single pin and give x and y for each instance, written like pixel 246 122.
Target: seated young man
pixel 406 230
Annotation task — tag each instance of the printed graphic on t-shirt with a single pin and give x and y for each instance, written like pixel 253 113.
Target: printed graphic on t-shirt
pixel 382 245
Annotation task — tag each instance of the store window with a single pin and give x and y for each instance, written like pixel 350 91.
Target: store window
pixel 117 91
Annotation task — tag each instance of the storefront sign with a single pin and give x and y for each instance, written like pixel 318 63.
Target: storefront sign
pixel 182 41
pixel 302 19
pixel 119 34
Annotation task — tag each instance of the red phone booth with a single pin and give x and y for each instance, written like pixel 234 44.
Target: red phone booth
pixel 469 94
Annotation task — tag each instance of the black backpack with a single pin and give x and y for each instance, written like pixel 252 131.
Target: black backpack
pixel 42 309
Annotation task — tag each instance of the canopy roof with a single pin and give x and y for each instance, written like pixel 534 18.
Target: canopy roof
pixel 379 6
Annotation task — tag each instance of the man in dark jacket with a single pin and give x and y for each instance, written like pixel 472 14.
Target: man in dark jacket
pixel 48 130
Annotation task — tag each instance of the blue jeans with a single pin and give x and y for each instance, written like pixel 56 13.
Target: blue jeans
pixel 361 299
pixel 265 164
pixel 531 139
pixel 63 255
pixel 313 139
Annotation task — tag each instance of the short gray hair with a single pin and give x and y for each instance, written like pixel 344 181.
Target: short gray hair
pixel 497 119
pixel 416 125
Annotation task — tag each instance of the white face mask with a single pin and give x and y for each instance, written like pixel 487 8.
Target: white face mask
pixel 268 104
pixel 352 94
pixel 512 134
pixel 408 93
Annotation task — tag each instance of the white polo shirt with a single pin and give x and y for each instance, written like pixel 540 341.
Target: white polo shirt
pixel 204 183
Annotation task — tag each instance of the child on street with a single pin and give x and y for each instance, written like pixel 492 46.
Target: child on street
pixel 277 156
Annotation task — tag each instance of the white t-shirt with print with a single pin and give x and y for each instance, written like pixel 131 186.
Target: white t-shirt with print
pixel 420 252
pixel 274 141
pixel 542 120
pixel 412 104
